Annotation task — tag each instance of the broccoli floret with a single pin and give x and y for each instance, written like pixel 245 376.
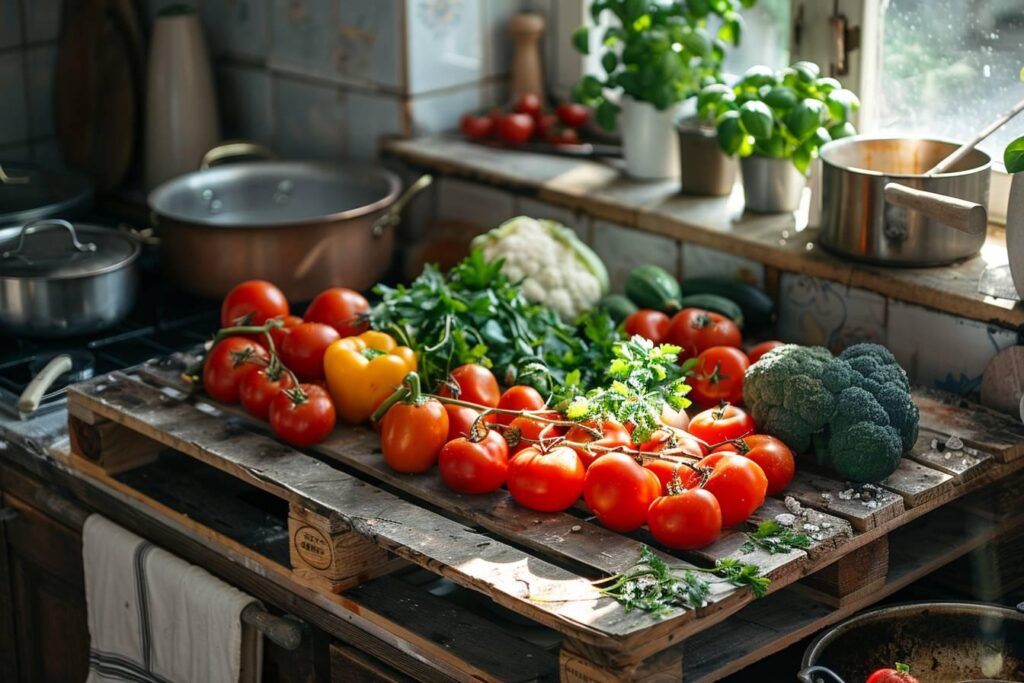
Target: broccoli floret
pixel 855 411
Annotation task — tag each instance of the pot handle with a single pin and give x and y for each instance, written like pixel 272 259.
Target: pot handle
pixel 813 674
pixel 393 213
pixel 957 213
pixel 36 226
pixel 235 148
pixel 41 383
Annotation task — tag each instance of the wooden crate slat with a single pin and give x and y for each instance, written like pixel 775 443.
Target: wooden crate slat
pixel 524 583
pixel 826 532
pixel 976 425
pixel 917 483
pixel 830 496
pixel 963 465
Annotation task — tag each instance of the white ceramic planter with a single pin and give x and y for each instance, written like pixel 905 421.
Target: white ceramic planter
pixel 1015 237
pixel 649 141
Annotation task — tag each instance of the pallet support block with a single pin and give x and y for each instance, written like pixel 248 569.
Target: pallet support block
pixel 111 446
pixel 861 571
pixel 327 556
pixel 581 663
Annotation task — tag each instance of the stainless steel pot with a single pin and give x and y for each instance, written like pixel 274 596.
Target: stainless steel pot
pixel 29 192
pixel 304 226
pixel 59 280
pixel 940 641
pixel 879 206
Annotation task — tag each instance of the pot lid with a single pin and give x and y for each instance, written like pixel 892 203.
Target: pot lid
pixel 55 249
pixel 29 192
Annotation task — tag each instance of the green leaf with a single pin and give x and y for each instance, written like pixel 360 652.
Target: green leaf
pixel 596 8
pixel 606 113
pixel 841 130
pixel 808 72
pixel 802 159
pixel 592 86
pixel 697 42
pixel 775 538
pixel 1013 157
pixel 581 40
pixel 757 119
pixel 840 103
pixel 780 97
pixel 731 30
pixel 805 118
pixel 698 8
pixel 609 62
pixel 756 76
pixel 731 136
pixel 827 84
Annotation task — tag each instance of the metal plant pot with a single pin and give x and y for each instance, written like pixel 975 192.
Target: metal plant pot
pixel 771 185
pixel 704 169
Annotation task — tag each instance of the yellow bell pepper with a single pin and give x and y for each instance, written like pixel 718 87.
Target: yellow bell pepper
pixel 364 370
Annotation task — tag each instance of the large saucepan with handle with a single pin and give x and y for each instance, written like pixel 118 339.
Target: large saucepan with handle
pixel 304 226
pixel 880 205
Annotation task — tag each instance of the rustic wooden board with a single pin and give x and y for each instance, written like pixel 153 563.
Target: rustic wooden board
pixel 835 497
pixel 917 483
pixel 827 533
pixel 976 425
pixel 963 465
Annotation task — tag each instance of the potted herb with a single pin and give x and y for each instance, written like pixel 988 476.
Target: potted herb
pixel 776 122
pixel 1013 157
pixel 656 55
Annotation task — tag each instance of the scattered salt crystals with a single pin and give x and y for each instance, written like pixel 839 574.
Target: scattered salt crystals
pixel 826 525
pixel 793 505
pixel 954 443
pixel 826 495
pixel 812 527
pixel 846 495
pixel 576 528
pixel 871 504
pixel 936 446
pixel 785 519
pixel 948 455
pixel 3 445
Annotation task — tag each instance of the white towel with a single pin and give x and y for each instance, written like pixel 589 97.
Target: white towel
pixel 154 618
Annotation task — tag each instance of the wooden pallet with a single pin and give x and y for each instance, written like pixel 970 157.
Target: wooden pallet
pixel 349 514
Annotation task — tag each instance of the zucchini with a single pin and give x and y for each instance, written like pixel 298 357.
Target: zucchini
pixel 651 286
pixel 718 304
pixel 758 308
pixel 617 306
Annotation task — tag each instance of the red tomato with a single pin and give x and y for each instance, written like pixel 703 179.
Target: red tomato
pixel 341 309
pixel 572 114
pixel 528 103
pixel 685 520
pixel 252 302
pixel 302 350
pixel 648 323
pixel 718 376
pixel 302 415
pixel 618 491
pixel 475 384
pixel 495 115
pixel 476 126
pixel 469 467
pixel 738 483
pixel 531 431
pixel 615 436
pixel 721 423
pixel 228 363
pixel 562 135
pixel 257 390
pixel 279 333
pixel 412 435
pixel 544 124
pixel 761 349
pixel 901 674
pixel 519 397
pixel 695 330
pixel 771 455
pixel 460 420
pixel 515 128
pixel 547 482
pixel 680 443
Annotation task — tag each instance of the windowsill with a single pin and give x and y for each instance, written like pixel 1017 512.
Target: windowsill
pixel 780 241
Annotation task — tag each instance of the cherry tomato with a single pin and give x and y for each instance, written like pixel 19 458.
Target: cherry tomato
pixel 685 520
pixel 228 363
pixel 469 467
pixel 572 114
pixel 618 491
pixel 614 436
pixel 495 115
pixel 519 397
pixel 649 324
pixel 341 309
pixel 476 126
pixel 475 383
pixel 718 376
pixel 257 390
pixel 252 302
pixel 528 103
pixel 545 122
pixel 772 456
pixel 764 347
pixel 721 423
pixel 302 415
pixel 682 444
pixel 546 482
pixel 562 135
pixel 460 420
pixel 412 434
pixel 302 350
pixel 901 674
pixel 515 128
pixel 738 483
pixel 694 330
pixel 279 333
pixel 530 431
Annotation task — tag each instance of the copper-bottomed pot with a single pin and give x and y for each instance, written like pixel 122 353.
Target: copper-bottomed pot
pixel 304 226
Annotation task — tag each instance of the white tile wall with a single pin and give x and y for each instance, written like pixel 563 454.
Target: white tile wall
pixel 825 313
pixel 700 261
pixel 370 117
pixel 309 120
pixel 623 249
pixel 439 112
pixel 445 47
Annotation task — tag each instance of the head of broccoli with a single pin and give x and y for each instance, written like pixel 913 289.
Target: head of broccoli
pixel 854 412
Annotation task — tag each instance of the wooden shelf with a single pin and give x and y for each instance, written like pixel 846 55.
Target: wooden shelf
pixel 781 241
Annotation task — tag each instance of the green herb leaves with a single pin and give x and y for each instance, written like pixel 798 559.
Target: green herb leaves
pixel 775 538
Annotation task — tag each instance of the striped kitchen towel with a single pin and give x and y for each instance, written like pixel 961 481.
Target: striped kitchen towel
pixel 154 618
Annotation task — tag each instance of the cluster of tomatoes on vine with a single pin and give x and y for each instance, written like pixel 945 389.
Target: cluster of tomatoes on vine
pixel 525 120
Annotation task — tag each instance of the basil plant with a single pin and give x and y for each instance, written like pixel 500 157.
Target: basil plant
pixel 786 114
pixel 656 51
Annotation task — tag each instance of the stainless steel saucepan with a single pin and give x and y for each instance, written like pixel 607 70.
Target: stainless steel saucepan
pixel 304 226
pixel 879 203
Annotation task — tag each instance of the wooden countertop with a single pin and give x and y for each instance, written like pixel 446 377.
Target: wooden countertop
pixel 781 241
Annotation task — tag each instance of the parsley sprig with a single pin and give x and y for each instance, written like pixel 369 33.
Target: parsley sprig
pixel 651 585
pixel 775 538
